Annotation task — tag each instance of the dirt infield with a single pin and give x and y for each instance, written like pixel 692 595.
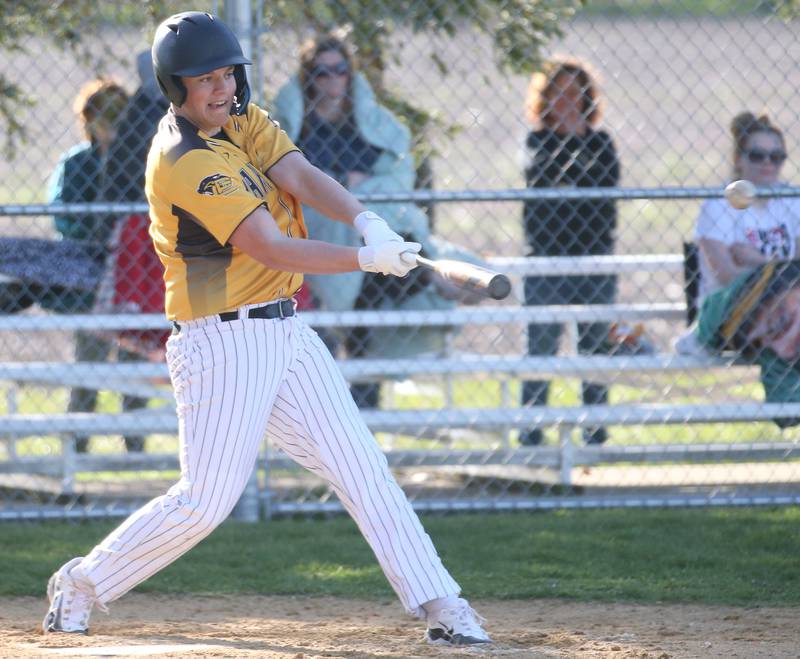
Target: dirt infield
pixel 303 628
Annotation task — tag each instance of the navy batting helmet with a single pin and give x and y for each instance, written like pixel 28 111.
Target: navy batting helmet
pixel 193 43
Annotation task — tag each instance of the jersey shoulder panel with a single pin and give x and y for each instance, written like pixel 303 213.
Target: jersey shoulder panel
pixel 176 137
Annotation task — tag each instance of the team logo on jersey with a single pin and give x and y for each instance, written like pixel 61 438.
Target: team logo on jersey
pixel 216 184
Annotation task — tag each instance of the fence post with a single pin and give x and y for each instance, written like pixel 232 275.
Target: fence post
pixel 567 453
pixel 238 15
pixel 68 464
pixel 12 408
pixel 246 509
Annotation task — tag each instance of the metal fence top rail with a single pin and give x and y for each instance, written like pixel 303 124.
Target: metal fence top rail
pixel 439 196
pixel 488 315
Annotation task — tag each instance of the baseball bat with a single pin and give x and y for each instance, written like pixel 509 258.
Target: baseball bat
pixel 470 277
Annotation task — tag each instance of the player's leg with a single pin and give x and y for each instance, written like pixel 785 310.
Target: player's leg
pixel 225 376
pixel 316 422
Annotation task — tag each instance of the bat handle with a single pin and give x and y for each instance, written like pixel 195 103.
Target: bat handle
pixel 425 263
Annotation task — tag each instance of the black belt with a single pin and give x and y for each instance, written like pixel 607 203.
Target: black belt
pixel 279 309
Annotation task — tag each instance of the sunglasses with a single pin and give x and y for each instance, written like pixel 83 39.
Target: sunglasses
pixel 757 156
pixel 324 71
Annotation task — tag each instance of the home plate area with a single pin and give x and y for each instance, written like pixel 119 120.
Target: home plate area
pixel 296 627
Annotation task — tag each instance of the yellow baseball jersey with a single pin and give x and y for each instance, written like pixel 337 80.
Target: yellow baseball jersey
pixel 200 188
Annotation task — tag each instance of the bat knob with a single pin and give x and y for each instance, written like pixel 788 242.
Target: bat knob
pixel 499 287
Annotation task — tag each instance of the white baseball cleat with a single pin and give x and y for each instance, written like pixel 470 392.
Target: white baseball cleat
pixel 71 602
pixel 456 625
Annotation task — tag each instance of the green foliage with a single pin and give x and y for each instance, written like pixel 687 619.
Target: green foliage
pixel 736 556
pixel 519 29
pixel 66 23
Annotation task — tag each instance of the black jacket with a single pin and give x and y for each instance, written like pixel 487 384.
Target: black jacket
pixel 570 227
pixel 127 155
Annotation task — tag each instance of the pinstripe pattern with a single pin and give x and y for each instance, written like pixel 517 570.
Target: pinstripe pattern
pixel 232 381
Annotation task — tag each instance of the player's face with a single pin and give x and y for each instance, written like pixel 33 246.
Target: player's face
pixel 777 326
pixel 330 75
pixel 209 98
pixel 763 158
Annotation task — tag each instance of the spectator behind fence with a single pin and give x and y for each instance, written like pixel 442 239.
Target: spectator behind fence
pixel 758 315
pixel 735 241
pixel 79 177
pixel 566 149
pixel 731 241
pixel 135 281
pixel 330 111
pixel 136 284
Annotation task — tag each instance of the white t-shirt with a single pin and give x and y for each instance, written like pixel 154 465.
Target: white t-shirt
pixel 772 229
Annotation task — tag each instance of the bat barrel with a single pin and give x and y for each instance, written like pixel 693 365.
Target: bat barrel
pixel 470 277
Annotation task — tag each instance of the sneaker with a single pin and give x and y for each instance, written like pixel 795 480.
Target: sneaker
pixel 689 344
pixel 71 602
pixel 456 625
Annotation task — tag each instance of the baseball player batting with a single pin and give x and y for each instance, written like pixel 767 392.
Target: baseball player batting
pixel 225 187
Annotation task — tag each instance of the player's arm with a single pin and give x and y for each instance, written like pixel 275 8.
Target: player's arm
pixel 259 237
pixel 313 187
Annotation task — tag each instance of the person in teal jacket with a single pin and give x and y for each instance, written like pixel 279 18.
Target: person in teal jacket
pixel 758 316
pixel 330 111
pixel 80 176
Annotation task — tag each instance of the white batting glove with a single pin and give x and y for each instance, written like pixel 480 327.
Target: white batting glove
pixel 374 229
pixel 390 258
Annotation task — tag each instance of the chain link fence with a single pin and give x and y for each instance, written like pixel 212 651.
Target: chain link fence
pixel 589 184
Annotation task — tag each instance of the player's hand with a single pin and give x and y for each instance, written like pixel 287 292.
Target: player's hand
pixel 389 258
pixel 374 229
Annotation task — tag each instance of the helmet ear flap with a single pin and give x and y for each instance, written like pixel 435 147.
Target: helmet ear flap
pixel 174 89
pixel 180 88
pixel 242 90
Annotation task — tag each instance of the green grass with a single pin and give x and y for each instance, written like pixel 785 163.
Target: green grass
pixel 734 556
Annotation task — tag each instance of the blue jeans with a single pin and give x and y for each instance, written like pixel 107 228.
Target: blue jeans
pixel 543 339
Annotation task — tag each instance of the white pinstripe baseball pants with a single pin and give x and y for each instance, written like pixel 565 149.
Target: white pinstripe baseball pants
pixel 233 380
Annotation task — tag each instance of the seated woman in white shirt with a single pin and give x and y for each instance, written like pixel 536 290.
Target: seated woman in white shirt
pixel 731 241
pixel 734 241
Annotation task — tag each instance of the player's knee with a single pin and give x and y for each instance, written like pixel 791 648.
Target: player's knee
pixel 201 513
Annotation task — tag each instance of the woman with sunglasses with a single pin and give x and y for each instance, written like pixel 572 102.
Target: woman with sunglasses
pixel 732 242
pixel 329 110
